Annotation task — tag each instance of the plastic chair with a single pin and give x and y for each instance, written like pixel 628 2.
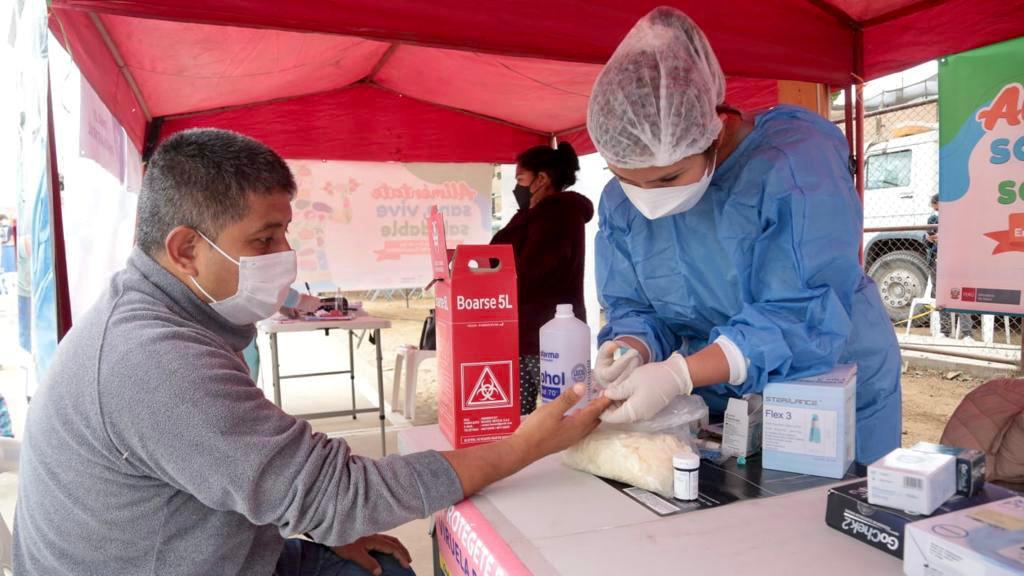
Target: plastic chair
pixel 10 452
pixel 408 357
pixel 933 318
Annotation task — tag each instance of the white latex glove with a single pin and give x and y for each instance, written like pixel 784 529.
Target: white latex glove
pixel 307 304
pixel 609 371
pixel 648 390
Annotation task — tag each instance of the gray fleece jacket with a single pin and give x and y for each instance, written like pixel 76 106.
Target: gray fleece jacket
pixel 150 451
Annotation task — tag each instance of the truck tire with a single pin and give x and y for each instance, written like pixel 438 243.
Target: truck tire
pixel 901 276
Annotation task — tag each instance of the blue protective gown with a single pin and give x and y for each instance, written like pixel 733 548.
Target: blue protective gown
pixel 769 258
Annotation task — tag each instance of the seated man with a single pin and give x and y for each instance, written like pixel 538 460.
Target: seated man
pixel 150 450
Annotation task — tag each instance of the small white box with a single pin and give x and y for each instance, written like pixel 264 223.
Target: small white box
pixel 986 540
pixel 917 482
pixel 741 434
pixel 809 424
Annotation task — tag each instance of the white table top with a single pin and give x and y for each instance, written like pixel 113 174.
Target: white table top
pixel 560 521
pixel 361 321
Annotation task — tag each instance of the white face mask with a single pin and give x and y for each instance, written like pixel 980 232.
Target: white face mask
pixel 263 283
pixel 657 203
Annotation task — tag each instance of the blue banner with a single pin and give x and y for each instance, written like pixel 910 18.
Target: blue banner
pixel 36 283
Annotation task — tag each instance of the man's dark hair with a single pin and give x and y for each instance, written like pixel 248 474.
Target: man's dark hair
pixel 935 199
pixel 202 178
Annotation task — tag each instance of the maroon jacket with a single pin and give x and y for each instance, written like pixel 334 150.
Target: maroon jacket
pixel 549 245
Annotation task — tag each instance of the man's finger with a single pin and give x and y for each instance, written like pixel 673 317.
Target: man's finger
pixel 366 562
pixel 379 544
pixel 388 537
pixel 589 418
pixel 595 407
pixel 392 539
pixel 398 550
pixel 571 396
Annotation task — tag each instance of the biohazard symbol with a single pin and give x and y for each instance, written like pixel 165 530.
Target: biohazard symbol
pixel 488 392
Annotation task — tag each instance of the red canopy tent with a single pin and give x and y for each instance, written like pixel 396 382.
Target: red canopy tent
pixel 454 80
pixel 460 80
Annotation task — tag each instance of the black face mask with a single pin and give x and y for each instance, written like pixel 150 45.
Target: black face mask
pixel 522 194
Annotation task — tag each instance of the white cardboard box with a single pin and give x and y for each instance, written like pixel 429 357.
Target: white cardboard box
pixel 917 482
pixel 809 424
pixel 986 540
pixel 741 434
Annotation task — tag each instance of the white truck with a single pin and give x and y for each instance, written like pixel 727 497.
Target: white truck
pixel 902 177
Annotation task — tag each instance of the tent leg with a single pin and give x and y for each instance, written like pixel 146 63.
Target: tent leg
pixel 860 141
pixel 60 264
pixel 848 97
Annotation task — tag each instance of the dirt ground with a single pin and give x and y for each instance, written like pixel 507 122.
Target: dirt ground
pixel 929 398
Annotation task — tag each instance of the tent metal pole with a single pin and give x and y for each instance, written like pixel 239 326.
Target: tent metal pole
pixel 848 97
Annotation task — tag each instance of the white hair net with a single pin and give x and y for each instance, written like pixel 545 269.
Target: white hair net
pixel 654 102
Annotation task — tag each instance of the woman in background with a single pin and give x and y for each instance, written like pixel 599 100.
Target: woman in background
pixel 547 236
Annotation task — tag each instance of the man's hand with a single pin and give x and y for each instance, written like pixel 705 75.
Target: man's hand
pixel 359 552
pixel 549 430
pixel 546 431
pixel 648 390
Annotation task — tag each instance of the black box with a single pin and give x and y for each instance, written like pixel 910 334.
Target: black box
pixel 970 466
pixel 849 512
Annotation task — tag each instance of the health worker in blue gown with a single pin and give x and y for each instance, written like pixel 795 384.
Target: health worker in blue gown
pixel 728 251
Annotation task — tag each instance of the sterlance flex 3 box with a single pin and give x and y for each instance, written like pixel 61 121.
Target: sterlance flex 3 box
pixel 477 339
pixel 885 528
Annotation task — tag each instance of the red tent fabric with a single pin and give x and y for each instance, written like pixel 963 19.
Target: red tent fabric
pixel 459 81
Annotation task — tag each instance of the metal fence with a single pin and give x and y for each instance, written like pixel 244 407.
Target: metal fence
pixel 902 233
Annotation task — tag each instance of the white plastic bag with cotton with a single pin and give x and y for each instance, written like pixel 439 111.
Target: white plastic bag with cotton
pixel 640 454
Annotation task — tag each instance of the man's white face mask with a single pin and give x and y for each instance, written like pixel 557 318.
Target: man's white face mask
pixel 263 283
pixel 656 203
